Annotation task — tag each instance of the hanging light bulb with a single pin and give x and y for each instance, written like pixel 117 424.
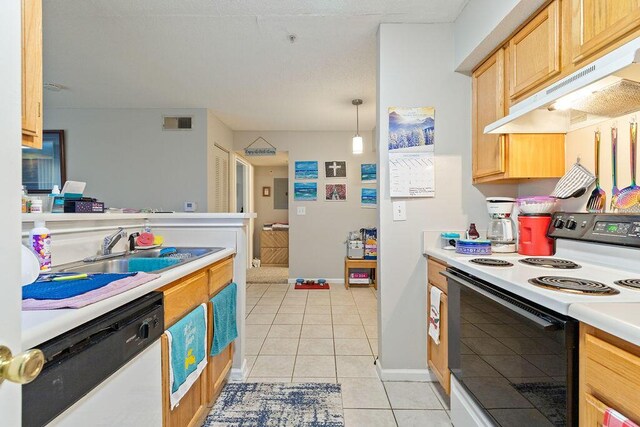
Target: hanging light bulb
pixel 358 145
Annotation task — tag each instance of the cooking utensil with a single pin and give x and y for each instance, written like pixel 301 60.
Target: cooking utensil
pixel 614 167
pixel 574 183
pixel 598 198
pixel 629 197
pixel 63 277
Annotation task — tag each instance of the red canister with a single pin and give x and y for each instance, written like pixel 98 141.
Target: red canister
pixel 532 239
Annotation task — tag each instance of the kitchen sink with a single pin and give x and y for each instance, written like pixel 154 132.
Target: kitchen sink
pixel 151 260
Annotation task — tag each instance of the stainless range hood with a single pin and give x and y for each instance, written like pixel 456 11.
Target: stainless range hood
pixel 606 88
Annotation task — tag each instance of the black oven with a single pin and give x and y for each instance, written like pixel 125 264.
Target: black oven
pixel 518 360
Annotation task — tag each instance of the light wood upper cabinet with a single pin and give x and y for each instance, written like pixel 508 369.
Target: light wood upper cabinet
pixel 488 106
pixel 32 73
pixel 534 52
pixel 598 24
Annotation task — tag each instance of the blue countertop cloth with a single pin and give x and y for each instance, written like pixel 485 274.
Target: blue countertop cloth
pixel 187 352
pixel 225 329
pixel 41 290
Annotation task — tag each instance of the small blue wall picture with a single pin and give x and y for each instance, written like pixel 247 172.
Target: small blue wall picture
pixel 306 170
pixel 368 172
pixel 305 191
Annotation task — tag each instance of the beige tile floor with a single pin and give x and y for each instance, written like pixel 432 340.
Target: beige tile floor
pixel 331 336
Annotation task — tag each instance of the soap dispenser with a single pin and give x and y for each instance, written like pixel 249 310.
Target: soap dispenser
pixel 40 242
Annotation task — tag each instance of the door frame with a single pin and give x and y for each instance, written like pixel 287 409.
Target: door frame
pixel 10 214
pixel 249 196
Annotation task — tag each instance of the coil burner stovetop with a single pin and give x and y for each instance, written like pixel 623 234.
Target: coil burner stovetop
pixel 629 283
pixel 551 263
pixel 491 262
pixel 573 285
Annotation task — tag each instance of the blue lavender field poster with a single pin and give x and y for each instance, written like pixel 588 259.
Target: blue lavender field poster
pixel 307 170
pixel 411 129
pixel 305 191
pixel 368 172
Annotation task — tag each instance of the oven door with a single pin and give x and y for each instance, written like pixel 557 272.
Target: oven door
pixel 516 359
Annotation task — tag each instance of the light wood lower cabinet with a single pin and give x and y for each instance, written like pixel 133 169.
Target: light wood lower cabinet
pixel 193 406
pixel 274 248
pixel 609 376
pixel 438 354
pixel 180 298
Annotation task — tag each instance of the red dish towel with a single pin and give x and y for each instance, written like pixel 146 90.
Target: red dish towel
pixel 616 419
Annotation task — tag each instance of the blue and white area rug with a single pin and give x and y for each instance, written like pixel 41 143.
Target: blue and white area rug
pixel 277 405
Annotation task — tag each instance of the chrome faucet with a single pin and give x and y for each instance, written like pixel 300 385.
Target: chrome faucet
pixel 111 240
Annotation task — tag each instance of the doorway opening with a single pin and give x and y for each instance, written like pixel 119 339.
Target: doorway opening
pixel 271 227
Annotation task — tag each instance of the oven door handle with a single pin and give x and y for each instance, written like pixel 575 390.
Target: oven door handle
pixel 544 324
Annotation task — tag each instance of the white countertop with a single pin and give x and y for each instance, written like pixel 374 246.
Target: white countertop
pixel 618 318
pixel 618 315
pixel 42 325
pixel 53 217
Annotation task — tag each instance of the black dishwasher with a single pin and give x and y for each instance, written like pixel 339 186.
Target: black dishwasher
pixel 79 360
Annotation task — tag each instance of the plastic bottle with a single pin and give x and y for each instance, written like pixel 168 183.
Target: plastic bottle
pixel 473 232
pixel 147 227
pixel 40 241
pixel 36 206
pixel 24 199
pixel 54 193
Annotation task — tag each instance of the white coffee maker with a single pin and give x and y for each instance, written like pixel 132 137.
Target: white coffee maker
pixel 502 230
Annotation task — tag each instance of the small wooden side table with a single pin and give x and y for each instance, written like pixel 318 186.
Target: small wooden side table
pixel 360 263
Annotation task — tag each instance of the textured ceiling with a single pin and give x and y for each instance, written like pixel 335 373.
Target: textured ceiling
pixel 231 56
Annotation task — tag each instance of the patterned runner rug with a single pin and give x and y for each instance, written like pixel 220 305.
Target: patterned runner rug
pixel 277 405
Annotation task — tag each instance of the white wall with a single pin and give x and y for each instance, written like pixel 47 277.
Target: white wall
pixel 484 24
pixel 127 159
pixel 316 240
pixel 416 69
pixel 263 177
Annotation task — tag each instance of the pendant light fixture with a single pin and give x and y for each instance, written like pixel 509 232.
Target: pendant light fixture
pixel 358 146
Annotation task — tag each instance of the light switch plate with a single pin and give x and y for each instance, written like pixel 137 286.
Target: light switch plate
pixel 302 210
pixel 400 211
pixel 190 206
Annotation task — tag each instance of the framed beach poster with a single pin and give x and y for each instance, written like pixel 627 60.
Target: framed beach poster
pixel 305 191
pixel 368 173
pixel 306 170
pixel 368 197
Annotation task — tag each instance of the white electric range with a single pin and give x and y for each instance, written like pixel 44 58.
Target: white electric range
pixel 510 315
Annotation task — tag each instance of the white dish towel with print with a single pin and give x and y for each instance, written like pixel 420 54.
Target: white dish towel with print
pixel 434 314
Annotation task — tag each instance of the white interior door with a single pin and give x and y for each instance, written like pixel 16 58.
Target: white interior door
pixel 10 222
pixel 221 176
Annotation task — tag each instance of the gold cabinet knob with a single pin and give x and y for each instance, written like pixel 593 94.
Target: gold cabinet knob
pixel 21 368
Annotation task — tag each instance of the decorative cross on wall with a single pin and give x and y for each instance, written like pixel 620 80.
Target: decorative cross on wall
pixel 335 169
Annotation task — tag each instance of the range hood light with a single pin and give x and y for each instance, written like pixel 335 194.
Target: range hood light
pixel 606 88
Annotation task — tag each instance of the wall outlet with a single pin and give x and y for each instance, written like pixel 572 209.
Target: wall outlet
pixel 190 206
pixel 302 210
pixel 399 211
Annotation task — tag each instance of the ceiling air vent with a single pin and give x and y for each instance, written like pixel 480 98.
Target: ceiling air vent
pixel 177 122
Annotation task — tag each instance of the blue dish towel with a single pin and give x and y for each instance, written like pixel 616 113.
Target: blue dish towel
pixel 69 288
pixel 225 329
pixel 151 264
pixel 187 352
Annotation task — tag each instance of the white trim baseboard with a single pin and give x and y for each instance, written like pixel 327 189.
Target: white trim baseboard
pixel 241 374
pixel 417 375
pixel 330 281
